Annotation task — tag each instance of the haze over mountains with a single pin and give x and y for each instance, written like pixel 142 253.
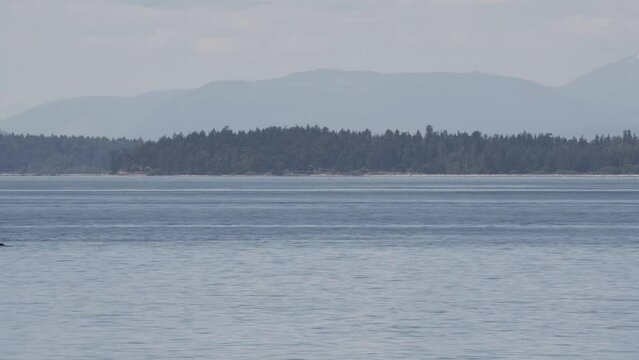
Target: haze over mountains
pixel 602 101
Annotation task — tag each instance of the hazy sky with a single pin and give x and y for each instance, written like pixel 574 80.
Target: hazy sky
pixel 52 49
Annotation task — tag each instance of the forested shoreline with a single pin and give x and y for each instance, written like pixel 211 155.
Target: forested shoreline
pixel 315 150
pixel 39 154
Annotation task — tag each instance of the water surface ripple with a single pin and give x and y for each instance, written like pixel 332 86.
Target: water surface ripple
pixel 388 267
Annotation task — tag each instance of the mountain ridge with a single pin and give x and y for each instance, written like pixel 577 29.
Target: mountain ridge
pixel 355 100
pixel 616 84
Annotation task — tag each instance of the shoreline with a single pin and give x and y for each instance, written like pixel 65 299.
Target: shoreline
pixel 323 175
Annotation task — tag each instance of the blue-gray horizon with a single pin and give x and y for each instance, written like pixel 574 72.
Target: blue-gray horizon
pixel 68 48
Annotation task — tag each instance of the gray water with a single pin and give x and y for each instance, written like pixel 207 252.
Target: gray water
pixel 319 267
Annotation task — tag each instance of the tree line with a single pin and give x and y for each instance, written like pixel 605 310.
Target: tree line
pixel 314 150
pixel 39 154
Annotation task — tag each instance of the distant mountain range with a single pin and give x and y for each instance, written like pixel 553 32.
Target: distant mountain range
pixel 605 100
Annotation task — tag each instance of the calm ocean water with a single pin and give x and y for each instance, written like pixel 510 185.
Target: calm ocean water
pixel 438 267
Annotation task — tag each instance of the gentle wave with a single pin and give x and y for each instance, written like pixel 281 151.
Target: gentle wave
pixel 327 226
pixel 312 190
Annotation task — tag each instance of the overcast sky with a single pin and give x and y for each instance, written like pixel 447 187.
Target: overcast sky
pixel 52 49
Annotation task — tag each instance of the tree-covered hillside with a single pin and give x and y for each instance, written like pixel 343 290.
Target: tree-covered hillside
pixel 308 150
pixel 30 154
